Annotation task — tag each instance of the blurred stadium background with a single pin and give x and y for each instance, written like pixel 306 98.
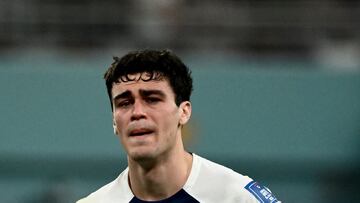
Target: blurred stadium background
pixel 277 91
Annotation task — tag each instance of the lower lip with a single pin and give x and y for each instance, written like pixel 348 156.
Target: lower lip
pixel 141 136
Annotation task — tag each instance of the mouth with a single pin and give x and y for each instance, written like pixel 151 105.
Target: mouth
pixel 140 132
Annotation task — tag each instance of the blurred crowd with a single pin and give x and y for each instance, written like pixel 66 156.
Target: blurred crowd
pixel 327 31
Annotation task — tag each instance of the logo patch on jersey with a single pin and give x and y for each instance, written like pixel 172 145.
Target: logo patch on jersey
pixel 261 193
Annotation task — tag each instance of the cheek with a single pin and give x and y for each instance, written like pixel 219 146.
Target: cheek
pixel 171 121
pixel 119 122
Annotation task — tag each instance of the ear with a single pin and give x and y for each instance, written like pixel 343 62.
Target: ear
pixel 185 112
pixel 115 127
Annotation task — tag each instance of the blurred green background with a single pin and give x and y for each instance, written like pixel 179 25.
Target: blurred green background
pixel 276 92
pixel 295 130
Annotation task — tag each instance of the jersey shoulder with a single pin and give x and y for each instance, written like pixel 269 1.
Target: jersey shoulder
pixel 225 185
pixel 115 191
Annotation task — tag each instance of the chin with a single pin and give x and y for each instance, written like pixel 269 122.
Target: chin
pixel 141 156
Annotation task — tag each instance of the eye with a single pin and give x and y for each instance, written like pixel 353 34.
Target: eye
pixel 123 103
pixel 152 100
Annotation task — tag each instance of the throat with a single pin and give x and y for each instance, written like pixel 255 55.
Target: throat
pixel 160 181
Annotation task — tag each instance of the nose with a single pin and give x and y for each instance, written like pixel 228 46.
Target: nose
pixel 138 111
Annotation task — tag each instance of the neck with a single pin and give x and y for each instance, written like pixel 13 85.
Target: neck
pixel 161 178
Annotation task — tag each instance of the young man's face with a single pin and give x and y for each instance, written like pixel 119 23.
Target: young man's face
pixel 146 118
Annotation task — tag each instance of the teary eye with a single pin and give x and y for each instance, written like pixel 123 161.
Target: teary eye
pixel 123 103
pixel 152 100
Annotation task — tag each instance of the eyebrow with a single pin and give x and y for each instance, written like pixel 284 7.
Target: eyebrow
pixel 143 93
pixel 146 93
pixel 125 94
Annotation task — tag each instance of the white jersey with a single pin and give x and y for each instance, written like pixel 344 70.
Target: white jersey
pixel 208 182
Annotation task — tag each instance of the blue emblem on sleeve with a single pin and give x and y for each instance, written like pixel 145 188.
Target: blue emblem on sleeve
pixel 261 193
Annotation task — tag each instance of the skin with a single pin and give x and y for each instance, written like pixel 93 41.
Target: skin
pixel 148 123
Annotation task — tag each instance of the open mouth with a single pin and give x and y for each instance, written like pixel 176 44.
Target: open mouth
pixel 140 132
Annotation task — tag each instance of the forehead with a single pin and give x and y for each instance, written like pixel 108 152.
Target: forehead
pixel 135 86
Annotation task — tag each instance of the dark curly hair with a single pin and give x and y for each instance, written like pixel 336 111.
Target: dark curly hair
pixel 156 65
